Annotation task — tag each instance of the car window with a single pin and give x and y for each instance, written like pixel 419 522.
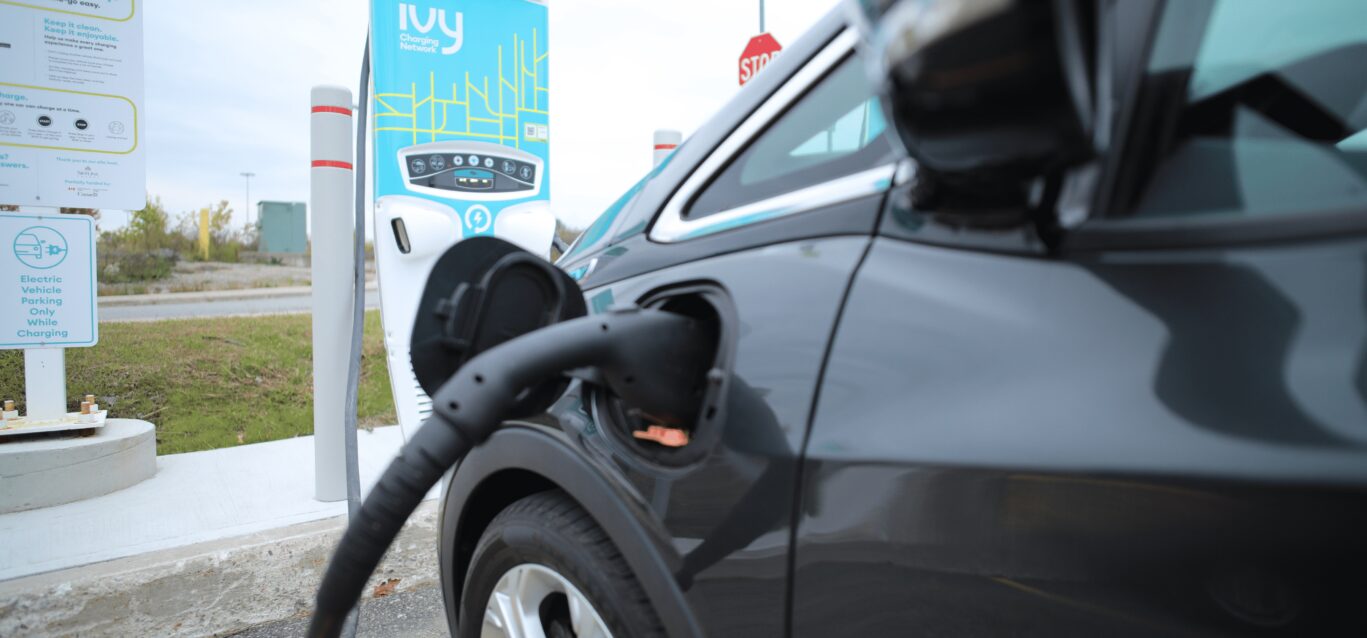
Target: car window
pixel 1270 108
pixel 835 130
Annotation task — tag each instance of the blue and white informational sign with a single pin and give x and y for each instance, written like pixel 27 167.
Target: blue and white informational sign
pixel 71 89
pixel 461 139
pixel 47 281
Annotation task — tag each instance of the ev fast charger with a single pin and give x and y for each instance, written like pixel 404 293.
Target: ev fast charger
pixel 477 186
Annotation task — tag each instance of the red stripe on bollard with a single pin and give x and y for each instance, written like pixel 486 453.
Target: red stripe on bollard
pixel 340 110
pixel 331 164
pixel 665 147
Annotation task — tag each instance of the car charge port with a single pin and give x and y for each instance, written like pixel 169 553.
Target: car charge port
pixel 663 435
pixel 647 437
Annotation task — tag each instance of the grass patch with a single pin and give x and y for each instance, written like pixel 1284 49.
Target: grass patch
pixel 211 383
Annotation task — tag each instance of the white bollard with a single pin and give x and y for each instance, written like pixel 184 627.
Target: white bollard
pixel 665 143
pixel 331 184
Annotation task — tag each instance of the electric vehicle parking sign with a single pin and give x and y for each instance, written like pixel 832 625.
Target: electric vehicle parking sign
pixel 47 281
pixel 461 136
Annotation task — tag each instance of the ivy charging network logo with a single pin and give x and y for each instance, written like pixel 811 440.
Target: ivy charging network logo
pixel 436 18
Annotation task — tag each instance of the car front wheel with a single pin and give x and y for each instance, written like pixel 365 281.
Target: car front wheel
pixel 544 568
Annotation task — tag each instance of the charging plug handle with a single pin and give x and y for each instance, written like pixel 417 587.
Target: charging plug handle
pixel 651 354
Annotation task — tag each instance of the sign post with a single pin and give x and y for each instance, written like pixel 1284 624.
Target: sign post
pixel 45 383
pixel 759 51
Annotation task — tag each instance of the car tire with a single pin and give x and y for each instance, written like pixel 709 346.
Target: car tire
pixel 547 543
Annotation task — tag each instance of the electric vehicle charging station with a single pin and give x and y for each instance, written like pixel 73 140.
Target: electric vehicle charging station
pixel 461 146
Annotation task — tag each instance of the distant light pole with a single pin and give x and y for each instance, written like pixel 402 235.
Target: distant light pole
pixel 248 210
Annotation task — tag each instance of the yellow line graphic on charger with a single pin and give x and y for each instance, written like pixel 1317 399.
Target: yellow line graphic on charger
pixel 430 118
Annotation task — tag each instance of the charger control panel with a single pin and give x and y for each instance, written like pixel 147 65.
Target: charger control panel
pixel 471 170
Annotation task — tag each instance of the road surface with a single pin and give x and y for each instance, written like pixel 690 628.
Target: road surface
pixel 218 308
pixel 416 614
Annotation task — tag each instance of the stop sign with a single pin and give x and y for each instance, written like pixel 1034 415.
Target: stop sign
pixel 761 49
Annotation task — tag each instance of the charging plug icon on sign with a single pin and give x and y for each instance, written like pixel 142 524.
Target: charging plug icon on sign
pixel 40 247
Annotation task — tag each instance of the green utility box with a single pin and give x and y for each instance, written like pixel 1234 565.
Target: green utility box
pixel 284 227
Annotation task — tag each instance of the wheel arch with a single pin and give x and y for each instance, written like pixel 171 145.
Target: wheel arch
pixel 518 461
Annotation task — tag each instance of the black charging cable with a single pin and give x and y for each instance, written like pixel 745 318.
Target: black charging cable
pixel 651 358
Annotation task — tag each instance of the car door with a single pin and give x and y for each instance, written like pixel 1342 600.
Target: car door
pixel 1157 425
pixel 770 226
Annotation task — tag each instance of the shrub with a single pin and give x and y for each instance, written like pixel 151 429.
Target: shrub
pixel 118 267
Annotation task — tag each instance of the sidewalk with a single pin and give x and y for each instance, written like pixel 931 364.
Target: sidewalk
pixel 194 497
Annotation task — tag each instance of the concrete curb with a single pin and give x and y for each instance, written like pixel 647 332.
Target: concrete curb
pixel 210 589
pixel 212 295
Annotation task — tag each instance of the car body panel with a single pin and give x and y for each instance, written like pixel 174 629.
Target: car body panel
pixel 1121 442
pixel 729 515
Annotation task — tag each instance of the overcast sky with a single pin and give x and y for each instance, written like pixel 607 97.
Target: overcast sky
pixel 228 86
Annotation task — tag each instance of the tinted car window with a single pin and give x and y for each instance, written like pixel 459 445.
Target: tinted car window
pixel 1270 109
pixel 836 129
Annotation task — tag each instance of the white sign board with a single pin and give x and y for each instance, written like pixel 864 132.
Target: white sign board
pixel 71 84
pixel 47 281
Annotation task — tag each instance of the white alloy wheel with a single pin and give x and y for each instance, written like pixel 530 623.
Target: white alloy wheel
pixel 514 608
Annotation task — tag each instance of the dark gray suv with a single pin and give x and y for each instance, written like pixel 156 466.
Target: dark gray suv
pixel 1083 352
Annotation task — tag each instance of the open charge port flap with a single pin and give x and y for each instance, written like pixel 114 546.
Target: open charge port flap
pixel 678 444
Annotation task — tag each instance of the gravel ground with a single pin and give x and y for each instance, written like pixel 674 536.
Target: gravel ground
pixel 418 614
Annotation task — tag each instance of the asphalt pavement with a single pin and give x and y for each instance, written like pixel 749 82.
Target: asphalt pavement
pixel 418 614
pixel 197 305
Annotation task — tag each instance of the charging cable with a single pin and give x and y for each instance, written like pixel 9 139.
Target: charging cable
pixel 353 472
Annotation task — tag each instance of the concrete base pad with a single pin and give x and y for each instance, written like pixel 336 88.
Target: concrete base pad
pixel 51 471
